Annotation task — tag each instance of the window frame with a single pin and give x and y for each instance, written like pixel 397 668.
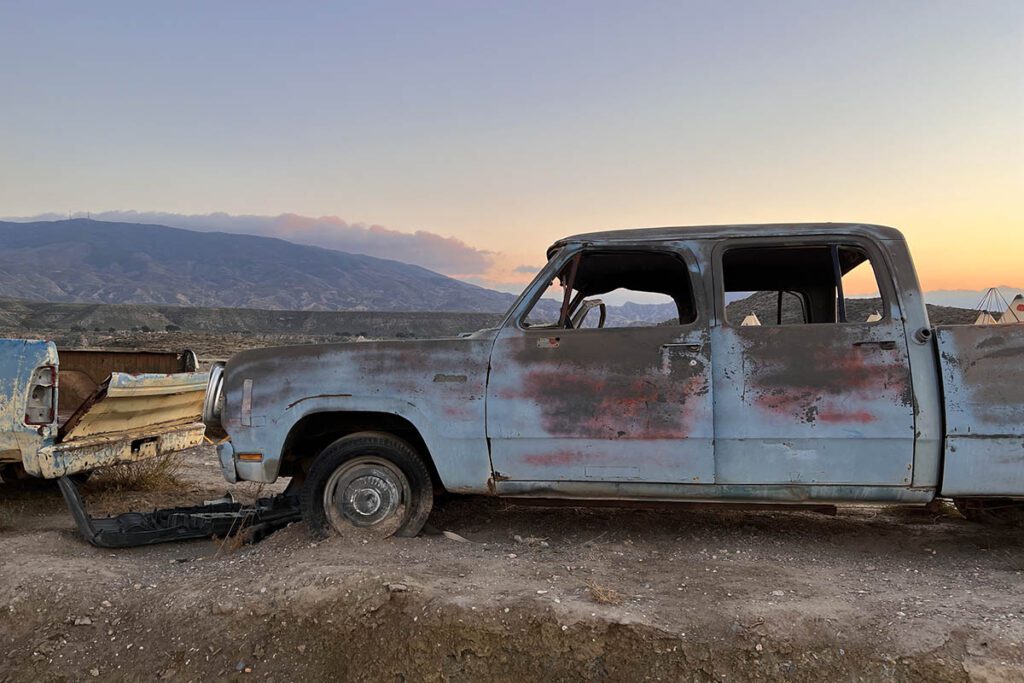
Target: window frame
pixel 535 291
pixel 876 258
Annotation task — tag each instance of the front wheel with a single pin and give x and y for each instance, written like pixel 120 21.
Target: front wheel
pixel 367 484
pixel 999 511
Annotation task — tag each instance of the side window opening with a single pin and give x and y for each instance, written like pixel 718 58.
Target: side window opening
pixel 576 298
pixel 797 285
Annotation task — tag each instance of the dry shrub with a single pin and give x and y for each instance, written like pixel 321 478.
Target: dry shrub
pixel 229 545
pixel 153 474
pixel 604 595
pixel 238 536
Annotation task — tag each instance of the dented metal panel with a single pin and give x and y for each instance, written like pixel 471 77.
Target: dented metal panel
pixel 82 372
pixel 18 360
pixel 438 386
pixel 136 403
pixel 623 404
pixel 823 403
pixel 120 417
pixel 813 404
pixel 983 382
pixel 86 454
pixel 604 405
pixel 748 493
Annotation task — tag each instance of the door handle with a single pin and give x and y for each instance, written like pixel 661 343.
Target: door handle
pixel 888 344
pixel 683 346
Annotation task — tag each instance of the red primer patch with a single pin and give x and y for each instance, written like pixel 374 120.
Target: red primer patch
pixel 553 459
pixel 858 416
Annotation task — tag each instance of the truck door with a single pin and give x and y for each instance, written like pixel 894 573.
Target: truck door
pixel 812 385
pixel 577 397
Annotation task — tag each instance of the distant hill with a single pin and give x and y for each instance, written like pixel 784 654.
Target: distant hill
pixel 764 304
pixel 165 274
pixel 99 262
pixel 23 318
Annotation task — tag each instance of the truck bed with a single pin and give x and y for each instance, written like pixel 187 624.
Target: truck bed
pixel 112 407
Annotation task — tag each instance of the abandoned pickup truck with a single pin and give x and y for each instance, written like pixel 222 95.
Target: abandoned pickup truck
pixel 807 407
pixel 70 412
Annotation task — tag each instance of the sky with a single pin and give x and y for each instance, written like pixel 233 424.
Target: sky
pixel 468 136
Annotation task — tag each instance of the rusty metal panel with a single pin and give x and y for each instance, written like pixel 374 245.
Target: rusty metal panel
pixel 83 371
pixel 603 405
pixel 137 403
pixel 82 455
pixel 813 404
pixel 747 493
pixel 128 418
pixel 438 386
pixel 629 404
pixel 18 360
pixel 983 387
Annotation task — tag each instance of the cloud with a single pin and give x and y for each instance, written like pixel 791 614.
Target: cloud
pixel 527 270
pixel 446 255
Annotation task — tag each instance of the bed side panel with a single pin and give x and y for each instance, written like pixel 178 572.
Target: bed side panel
pixel 983 385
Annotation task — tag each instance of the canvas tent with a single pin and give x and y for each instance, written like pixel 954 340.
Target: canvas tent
pixel 994 301
pixel 1014 312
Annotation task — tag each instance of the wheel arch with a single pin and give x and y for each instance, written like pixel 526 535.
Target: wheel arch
pixel 308 437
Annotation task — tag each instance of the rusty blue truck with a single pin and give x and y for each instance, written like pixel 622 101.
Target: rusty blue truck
pixel 67 412
pixel 809 406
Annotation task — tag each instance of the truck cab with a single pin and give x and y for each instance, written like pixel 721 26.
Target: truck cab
pixel 819 402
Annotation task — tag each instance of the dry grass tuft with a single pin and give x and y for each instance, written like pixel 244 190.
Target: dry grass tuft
pixel 604 595
pixel 153 474
pixel 229 545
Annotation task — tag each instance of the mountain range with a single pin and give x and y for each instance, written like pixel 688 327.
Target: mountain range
pixel 99 262
pixel 88 261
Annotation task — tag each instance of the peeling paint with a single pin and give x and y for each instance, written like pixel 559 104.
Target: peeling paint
pixel 835 412
pixel 102 417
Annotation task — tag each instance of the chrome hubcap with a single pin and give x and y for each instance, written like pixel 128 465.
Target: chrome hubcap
pixel 368 493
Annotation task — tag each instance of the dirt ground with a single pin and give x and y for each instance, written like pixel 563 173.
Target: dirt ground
pixel 532 594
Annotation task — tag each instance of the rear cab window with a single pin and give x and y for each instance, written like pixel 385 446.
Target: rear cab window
pixel 801 284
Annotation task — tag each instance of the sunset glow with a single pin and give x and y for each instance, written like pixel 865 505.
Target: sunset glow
pixel 486 134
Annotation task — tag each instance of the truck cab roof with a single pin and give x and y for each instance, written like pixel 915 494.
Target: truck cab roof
pixel 670 234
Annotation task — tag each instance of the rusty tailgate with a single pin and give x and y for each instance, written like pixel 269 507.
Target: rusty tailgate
pixel 128 418
pixel 138 403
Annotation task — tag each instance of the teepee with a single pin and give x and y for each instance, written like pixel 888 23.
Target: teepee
pixel 1014 312
pixel 985 318
pixel 993 301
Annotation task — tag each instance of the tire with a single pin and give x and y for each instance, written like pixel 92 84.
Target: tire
pixel 997 511
pixel 368 484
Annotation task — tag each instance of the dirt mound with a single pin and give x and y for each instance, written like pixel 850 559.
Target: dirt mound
pixel 529 594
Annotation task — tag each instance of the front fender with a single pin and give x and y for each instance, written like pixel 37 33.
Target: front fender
pixel 438 386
